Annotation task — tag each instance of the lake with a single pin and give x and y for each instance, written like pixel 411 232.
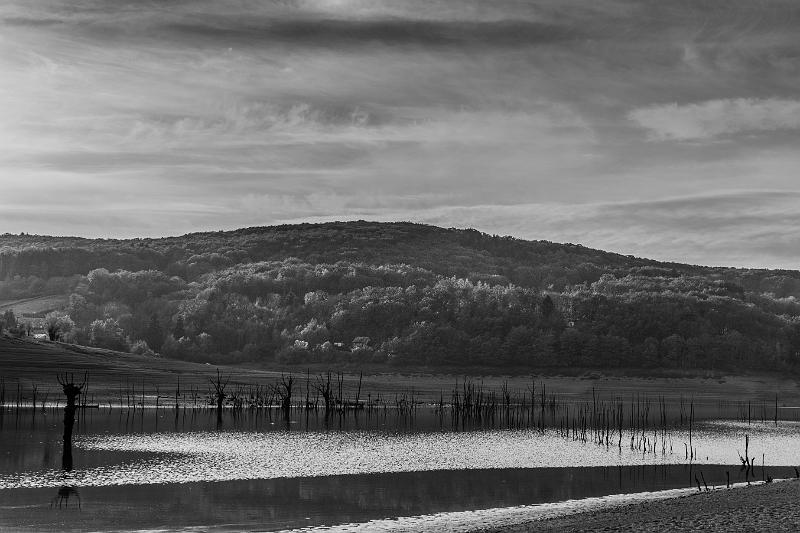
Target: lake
pixel 183 469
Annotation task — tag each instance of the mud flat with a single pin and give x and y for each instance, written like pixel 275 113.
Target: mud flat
pixel 764 507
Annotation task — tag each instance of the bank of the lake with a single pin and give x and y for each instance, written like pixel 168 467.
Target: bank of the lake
pixel 763 507
pixel 27 364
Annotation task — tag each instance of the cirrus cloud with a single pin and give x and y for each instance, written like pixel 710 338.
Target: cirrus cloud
pixel 713 118
pixel 164 117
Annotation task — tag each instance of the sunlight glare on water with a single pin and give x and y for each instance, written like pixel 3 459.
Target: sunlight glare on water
pixel 222 456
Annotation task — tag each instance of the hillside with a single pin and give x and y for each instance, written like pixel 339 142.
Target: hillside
pixel 403 295
pixel 446 252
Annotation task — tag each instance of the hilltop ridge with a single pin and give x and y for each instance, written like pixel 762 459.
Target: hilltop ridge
pixel 456 251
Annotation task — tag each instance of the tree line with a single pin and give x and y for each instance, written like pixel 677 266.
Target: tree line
pixel 405 295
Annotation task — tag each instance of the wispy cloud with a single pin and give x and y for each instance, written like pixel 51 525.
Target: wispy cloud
pixel 714 118
pixel 513 116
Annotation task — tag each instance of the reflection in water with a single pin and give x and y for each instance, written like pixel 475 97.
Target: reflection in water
pixel 118 452
pixel 226 456
pixel 276 504
pixel 254 474
pixel 492 519
pixel 71 391
pixel 63 496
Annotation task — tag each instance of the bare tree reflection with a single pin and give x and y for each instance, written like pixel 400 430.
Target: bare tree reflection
pixel 63 496
pixel 71 391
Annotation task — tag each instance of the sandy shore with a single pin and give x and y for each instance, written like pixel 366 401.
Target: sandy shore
pixel 768 507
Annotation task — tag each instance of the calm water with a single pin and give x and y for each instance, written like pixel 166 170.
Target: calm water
pixel 170 470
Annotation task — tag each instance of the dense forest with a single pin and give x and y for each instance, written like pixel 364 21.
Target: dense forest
pixel 404 295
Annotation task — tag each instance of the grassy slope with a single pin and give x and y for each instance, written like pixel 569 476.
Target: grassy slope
pixel 35 305
pixel 32 363
pixel 39 363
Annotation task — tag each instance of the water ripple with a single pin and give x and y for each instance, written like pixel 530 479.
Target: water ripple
pixel 226 456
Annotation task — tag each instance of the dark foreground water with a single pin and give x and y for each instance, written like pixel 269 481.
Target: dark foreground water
pixel 153 470
pixel 277 504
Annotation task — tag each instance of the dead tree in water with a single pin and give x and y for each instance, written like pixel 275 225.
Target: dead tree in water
pixel 284 390
pixel 71 391
pixel 358 392
pixel 219 393
pixel 324 388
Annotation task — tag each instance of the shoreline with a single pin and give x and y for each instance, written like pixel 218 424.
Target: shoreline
pixel 757 507
pixel 668 510
pixel 111 376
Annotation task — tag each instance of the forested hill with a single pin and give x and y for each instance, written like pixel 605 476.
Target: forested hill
pixel 444 251
pixel 400 294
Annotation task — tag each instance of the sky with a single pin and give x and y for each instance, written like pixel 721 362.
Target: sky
pixel 666 129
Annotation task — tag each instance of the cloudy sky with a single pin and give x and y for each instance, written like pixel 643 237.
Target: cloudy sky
pixel 661 128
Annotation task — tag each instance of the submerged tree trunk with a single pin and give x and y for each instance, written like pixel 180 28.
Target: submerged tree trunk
pixel 69 422
pixel 219 392
pixel 71 391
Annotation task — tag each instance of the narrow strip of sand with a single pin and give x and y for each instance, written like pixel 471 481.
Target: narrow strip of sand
pixel 765 507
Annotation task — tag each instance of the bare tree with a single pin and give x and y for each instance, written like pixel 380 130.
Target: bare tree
pixel 325 389
pixel 71 391
pixel 219 393
pixel 284 389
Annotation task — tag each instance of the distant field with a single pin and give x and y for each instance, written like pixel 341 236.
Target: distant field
pixel 37 363
pixel 38 305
